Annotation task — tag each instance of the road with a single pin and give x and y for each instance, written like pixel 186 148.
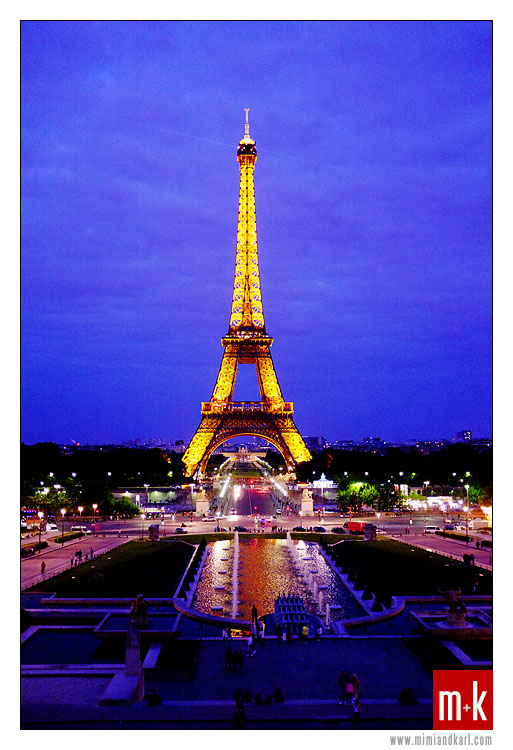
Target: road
pixel 244 505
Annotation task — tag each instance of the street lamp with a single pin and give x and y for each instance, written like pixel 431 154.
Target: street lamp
pixel 143 516
pixel 147 494
pixel 40 515
pixel 378 515
pixel 63 513
pixel 466 509
pixel 80 509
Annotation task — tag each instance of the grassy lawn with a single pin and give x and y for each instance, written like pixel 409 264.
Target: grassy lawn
pixel 392 568
pixel 135 568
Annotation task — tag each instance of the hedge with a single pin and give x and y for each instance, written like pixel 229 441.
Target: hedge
pixel 452 535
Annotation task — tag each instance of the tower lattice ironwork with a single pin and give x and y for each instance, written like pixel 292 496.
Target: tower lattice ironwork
pixel 246 342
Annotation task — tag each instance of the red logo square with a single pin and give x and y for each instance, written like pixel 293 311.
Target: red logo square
pixel 463 699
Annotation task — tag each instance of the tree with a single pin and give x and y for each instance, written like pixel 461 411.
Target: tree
pixel 352 495
pixel 125 507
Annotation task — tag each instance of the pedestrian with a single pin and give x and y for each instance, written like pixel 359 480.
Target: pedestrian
pixel 225 634
pixel 349 692
pixel 72 560
pixel 279 633
pixel 356 684
pixel 289 634
pixel 342 681
pixel 43 567
pixel 248 696
pixel 477 544
pixel 239 718
pixel 355 703
pixel 318 633
pixel 278 695
pixel 240 660
pixel 228 657
pixel 251 648
pixel 305 632
pixel 254 614
pixel 239 698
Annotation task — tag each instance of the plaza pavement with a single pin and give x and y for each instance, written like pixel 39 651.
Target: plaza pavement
pixel 307 674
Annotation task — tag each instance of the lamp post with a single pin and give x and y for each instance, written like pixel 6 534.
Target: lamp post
pixel 466 509
pixel 378 516
pixel 80 509
pixel 147 494
pixel 143 516
pixel 63 513
pixel 40 515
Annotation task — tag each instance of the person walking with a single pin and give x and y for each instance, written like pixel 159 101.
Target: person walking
pixel 239 698
pixel 43 567
pixel 254 613
pixel 349 692
pixel 356 684
pixel 342 682
pixel 355 704
pixel 251 649
pixel 240 660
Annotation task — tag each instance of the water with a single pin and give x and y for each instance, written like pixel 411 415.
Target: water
pixel 235 576
pixel 268 568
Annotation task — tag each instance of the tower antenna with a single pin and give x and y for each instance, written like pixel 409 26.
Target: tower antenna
pixel 246 126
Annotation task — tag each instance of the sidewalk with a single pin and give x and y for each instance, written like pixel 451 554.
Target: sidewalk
pixel 448 547
pixel 57 557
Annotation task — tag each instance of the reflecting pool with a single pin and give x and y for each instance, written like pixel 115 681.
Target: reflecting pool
pixel 266 569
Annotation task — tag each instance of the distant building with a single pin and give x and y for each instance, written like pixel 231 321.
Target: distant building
pixel 463 436
pixel 316 443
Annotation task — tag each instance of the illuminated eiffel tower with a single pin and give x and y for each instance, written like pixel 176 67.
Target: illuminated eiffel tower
pixel 246 343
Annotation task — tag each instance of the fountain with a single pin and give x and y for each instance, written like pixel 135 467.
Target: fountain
pixel 235 584
pixel 455 622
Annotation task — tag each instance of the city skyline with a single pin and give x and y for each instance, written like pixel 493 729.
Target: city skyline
pixel 373 199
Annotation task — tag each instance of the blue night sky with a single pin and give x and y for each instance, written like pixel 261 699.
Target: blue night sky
pixel 373 195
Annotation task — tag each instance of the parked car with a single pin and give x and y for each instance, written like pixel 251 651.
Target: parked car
pixel 219 528
pixel 319 529
pixel 338 530
pixel 240 528
pixel 51 527
pixel 298 528
pixel 450 527
pixel 82 529
pixel 431 529
pixel 210 518
pixel 180 530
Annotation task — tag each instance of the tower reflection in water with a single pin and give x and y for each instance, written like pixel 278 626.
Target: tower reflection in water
pixel 266 572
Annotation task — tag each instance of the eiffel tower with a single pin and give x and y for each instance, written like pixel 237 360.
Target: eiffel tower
pixel 246 342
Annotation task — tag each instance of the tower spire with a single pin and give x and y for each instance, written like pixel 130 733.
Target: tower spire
pixel 247 137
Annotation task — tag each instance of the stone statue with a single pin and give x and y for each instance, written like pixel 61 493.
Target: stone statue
pixel 456 614
pixel 139 612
